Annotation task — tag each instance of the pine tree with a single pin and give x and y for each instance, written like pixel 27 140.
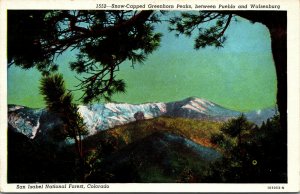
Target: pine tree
pixel 235 127
pixel 59 101
pixel 103 39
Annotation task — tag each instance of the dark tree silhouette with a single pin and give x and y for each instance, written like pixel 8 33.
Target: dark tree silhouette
pixel 235 127
pixel 59 102
pixel 103 39
pixel 254 157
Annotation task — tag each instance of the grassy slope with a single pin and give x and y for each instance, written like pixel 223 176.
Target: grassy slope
pixel 140 151
pixel 130 153
pixel 198 131
pixel 143 152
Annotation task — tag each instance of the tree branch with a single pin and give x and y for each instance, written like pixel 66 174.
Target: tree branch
pixel 227 24
pixel 137 19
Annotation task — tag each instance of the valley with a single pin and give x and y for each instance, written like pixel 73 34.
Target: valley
pixel 147 143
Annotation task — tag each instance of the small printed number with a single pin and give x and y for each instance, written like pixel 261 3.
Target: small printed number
pixel 276 187
pixel 100 5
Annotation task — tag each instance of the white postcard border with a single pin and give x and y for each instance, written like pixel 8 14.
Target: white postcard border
pixel 292 8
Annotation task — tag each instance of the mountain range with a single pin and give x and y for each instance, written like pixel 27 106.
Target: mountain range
pixel 131 143
pixel 37 123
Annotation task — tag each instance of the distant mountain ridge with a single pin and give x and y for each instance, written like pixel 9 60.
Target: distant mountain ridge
pixel 36 122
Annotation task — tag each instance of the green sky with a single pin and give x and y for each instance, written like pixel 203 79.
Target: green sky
pixel 239 76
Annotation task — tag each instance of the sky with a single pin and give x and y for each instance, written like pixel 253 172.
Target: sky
pixel 240 76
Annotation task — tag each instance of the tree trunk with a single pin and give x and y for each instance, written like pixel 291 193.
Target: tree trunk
pixel 239 140
pixel 81 160
pixel 276 22
pixel 279 51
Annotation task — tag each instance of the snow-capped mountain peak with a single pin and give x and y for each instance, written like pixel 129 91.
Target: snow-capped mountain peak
pixel 32 122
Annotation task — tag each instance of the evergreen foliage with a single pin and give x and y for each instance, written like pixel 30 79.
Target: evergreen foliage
pixel 103 39
pixel 210 26
pixel 258 156
pixel 59 101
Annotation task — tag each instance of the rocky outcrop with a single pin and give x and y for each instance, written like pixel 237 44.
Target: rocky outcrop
pixel 139 116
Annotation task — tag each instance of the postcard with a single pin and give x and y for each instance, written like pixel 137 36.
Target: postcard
pixel 149 96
